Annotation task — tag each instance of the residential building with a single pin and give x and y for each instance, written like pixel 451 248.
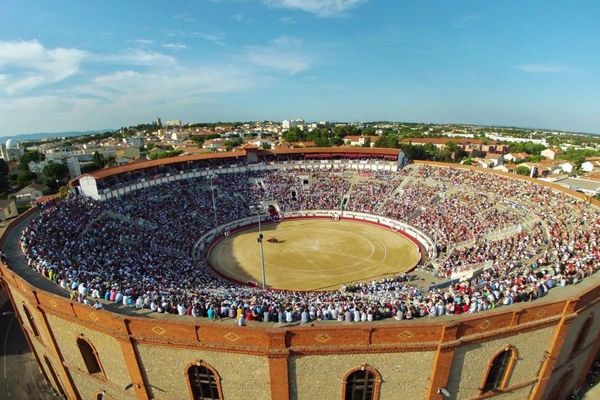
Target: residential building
pixel 591 164
pixel 288 124
pixel 214 144
pixel 494 159
pixel 495 136
pixel 515 157
pixel 566 167
pixel 179 136
pixel 30 193
pixel 361 140
pixel 264 143
pixel 587 166
pixel 551 153
pixel 468 145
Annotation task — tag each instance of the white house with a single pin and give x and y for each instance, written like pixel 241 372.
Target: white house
pixel 566 167
pixel 550 154
pixel 515 157
pixel 214 144
pixel 179 136
pixel 495 136
pixel 30 193
pixel 264 143
pixel 287 124
pixel 493 158
pixel 480 162
pixel 587 166
pixel 360 140
pixel 591 164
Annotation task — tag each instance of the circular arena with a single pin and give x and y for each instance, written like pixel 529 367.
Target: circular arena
pixel 382 280
pixel 314 254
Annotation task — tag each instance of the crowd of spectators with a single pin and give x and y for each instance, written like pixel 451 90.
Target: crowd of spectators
pixel 303 189
pixel 135 250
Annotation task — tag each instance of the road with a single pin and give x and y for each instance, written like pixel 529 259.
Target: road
pixel 20 377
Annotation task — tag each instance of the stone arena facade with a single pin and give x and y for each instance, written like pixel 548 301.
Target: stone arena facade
pixel 546 347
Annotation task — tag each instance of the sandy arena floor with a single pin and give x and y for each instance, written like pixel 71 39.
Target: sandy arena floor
pixel 316 254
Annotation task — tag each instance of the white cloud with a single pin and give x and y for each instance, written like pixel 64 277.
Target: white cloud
pixel 239 17
pixel 186 17
pixel 126 97
pixel 175 46
pixel 543 68
pixel 191 81
pixel 29 65
pixel 466 20
pixel 137 57
pixel 132 85
pixel 283 54
pixel 143 42
pixel 322 8
pixel 216 38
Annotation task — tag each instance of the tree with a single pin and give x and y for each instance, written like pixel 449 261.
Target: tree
pixel 98 159
pixel 3 168
pixel 63 191
pixel 55 171
pixel 3 184
pixel 526 147
pixel 3 176
pixel 24 178
pixel 164 154
pixel 28 157
pixel 294 134
pixel 452 146
pixel 231 143
pixel 198 140
pixel 337 141
pixel 390 141
pixel 523 170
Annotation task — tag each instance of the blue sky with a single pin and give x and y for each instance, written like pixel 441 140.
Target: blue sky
pixel 78 64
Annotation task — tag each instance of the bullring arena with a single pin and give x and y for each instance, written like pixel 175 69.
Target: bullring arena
pixel 315 254
pixel 146 282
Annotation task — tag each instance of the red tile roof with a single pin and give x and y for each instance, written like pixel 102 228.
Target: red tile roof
pixel 326 151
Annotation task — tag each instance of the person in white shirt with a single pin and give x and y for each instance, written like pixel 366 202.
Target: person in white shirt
pixel 139 303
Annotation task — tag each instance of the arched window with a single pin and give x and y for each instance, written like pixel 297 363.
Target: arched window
pixel 582 336
pixel 205 382
pixel 361 384
pixel 31 321
pixel 89 355
pixel 500 369
pixel 558 391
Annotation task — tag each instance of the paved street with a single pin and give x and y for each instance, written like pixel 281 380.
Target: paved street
pixel 20 377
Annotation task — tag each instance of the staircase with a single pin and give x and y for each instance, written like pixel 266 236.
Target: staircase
pixel 346 196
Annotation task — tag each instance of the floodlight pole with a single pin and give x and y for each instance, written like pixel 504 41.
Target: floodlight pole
pixel 262 251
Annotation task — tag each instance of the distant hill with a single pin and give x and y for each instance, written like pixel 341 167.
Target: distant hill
pixel 51 135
